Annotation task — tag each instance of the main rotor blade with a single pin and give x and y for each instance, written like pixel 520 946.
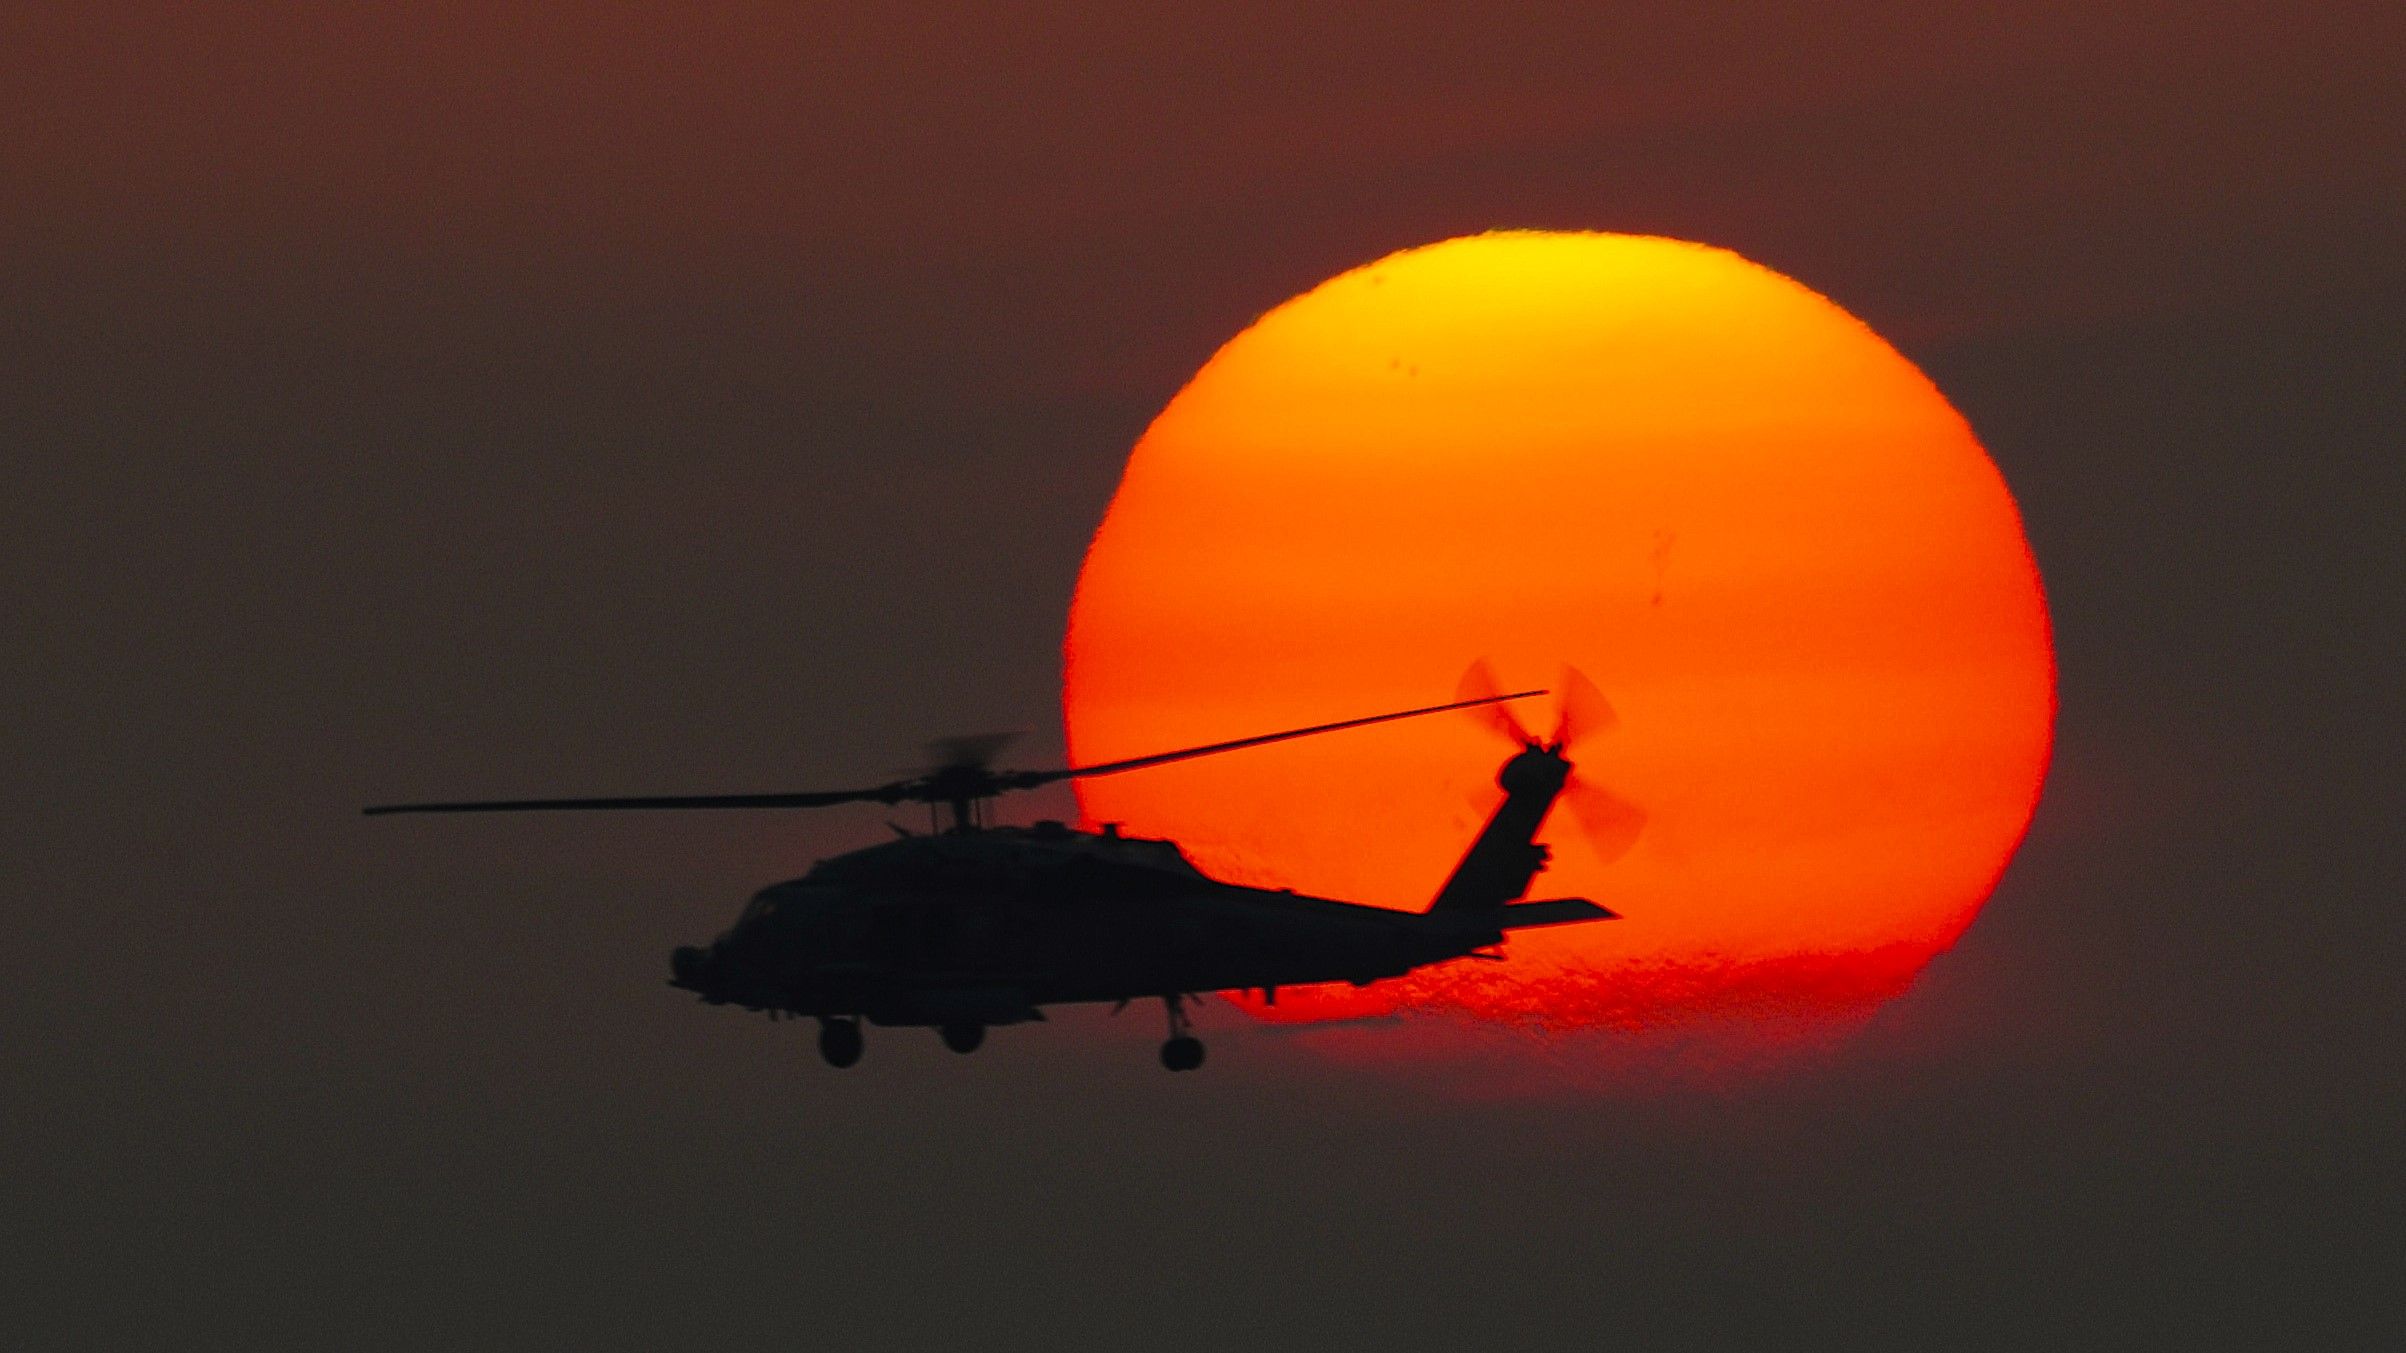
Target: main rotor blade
pixel 940 786
pixel 893 793
pixel 1027 779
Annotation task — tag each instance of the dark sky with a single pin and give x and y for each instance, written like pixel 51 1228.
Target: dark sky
pixel 486 401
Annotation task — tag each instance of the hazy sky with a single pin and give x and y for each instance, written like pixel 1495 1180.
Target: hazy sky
pixel 468 399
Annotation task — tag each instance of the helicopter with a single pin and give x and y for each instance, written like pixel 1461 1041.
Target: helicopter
pixel 970 925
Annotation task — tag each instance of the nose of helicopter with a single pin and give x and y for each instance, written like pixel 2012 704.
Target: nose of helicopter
pixel 690 966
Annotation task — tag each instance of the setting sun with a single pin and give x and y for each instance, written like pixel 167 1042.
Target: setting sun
pixel 1760 531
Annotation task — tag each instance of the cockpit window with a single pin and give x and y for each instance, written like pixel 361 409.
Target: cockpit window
pixel 769 901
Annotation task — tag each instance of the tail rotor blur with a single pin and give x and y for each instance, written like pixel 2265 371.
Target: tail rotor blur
pixel 1478 683
pixel 1585 711
pixel 1610 823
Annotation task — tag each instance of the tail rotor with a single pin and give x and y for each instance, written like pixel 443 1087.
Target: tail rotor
pixel 1478 683
pixel 1610 823
pixel 1585 711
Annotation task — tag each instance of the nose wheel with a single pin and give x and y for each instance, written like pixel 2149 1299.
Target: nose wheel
pixel 1183 1051
pixel 839 1041
pixel 962 1037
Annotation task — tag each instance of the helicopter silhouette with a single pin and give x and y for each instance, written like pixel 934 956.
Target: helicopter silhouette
pixel 972 926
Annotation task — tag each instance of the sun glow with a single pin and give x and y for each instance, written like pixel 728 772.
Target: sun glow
pixel 1759 529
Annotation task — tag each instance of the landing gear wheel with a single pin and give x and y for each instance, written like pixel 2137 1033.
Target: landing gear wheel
pixel 963 1037
pixel 1184 1051
pixel 839 1041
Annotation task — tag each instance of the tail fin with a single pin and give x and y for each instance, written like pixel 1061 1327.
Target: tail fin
pixel 1500 863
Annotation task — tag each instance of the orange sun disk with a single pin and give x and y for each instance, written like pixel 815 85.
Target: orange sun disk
pixel 1758 528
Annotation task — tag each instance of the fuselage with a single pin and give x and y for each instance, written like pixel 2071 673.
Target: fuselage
pixel 987 926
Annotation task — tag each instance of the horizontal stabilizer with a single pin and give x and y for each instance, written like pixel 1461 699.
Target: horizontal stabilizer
pixel 1558 911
